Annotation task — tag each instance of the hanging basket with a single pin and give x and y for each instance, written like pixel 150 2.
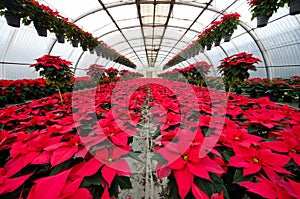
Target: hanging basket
pixel 42 31
pixel 98 52
pixel 13 20
pixel 294 7
pixel 92 51
pixel 208 47
pixel 262 20
pixel 201 49
pixel 227 37
pixel 84 47
pixel 75 43
pixel 217 42
pixel 197 51
pixel 60 38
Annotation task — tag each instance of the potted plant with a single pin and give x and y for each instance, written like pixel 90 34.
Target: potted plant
pixel 229 23
pixel 59 28
pixel 96 72
pixel 294 7
pixel 264 9
pixel 13 10
pixel 206 38
pixel 55 70
pixel 41 16
pixel 235 69
pixel 217 34
pixel 3 98
pixel 112 73
pixel 72 34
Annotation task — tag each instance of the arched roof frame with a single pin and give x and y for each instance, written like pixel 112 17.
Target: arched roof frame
pixel 244 25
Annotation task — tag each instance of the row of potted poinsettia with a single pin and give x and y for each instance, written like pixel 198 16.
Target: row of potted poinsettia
pixel 262 10
pixel 59 78
pixel 44 18
pixel 100 74
pixel 193 74
pixel 276 88
pixel 205 147
pixel 223 28
pixel 17 91
pixel 234 71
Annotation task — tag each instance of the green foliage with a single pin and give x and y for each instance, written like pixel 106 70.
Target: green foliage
pixel 265 7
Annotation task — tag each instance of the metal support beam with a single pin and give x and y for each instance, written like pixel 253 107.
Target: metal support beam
pixel 113 20
pixel 138 6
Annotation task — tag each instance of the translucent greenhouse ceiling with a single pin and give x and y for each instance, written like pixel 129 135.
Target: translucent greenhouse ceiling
pixel 150 33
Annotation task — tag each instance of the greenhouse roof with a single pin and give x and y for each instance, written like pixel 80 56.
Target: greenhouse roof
pixel 151 32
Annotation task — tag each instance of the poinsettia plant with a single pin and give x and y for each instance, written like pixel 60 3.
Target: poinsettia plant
pixel 55 70
pixel 229 23
pixel 51 150
pixel 16 7
pixel 96 72
pixel 235 68
pixel 265 7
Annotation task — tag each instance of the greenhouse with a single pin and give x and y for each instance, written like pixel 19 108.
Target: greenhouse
pixel 150 99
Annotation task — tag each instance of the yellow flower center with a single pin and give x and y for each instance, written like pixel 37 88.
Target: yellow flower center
pixel 110 159
pixel 293 150
pixel 236 138
pixel 255 160
pixel 185 157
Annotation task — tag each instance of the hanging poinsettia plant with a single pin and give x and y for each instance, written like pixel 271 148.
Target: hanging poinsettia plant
pixel 265 8
pixel 56 71
pixel 229 23
pixel 235 69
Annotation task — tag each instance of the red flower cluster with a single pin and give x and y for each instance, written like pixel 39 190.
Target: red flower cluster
pixel 194 73
pixel 253 2
pixel 80 147
pixel 48 10
pixel 95 70
pixel 99 74
pixel 234 16
pixel 51 61
pixel 14 90
pixel 44 144
pixel 242 59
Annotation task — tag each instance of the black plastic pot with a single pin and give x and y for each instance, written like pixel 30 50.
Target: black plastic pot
pixel 287 98
pixel 201 49
pixel 262 20
pixel 42 31
pixel 217 42
pixel 13 20
pixel 253 94
pixel 92 51
pixel 238 91
pixel 98 52
pixel 208 47
pixel 75 43
pixel 274 98
pixel 294 7
pixel 60 38
pixel 84 47
pixel 227 37
pixel 2 103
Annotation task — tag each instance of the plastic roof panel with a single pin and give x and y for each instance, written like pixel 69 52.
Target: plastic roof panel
pixel 72 8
